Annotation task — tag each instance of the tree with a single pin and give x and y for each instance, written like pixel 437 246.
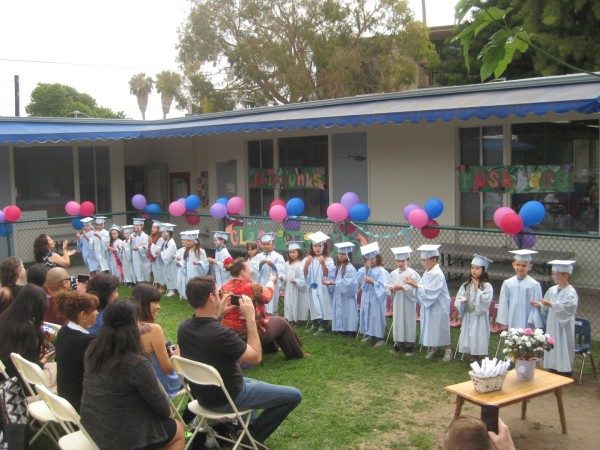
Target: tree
pixel 140 85
pixel 168 85
pixel 200 96
pixel 58 100
pixel 283 51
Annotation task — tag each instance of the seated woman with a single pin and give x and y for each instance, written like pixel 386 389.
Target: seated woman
pixel 21 332
pixel 274 331
pixel 146 298
pixel 43 251
pixel 123 405
pixel 103 286
pixel 72 340
pixel 12 279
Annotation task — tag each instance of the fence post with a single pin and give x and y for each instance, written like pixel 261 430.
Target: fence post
pixel 10 248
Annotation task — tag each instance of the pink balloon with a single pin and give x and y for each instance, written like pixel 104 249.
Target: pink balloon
pixel 218 210
pixel 87 208
pixel 72 208
pixel 418 218
pixel 235 205
pixel 278 213
pixel 177 208
pixel 336 212
pixel 500 213
pixel 278 201
pixel 12 213
pixel 407 209
pixel 512 223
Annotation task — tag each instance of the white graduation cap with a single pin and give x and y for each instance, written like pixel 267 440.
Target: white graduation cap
pixel 189 235
pixel 318 238
pixel 429 250
pixel 295 245
pixel 127 229
pixel 221 235
pixel 167 227
pixel 99 219
pixel 523 254
pixel 86 220
pixel 114 226
pixel 561 265
pixel 139 221
pixel 345 247
pixel 401 253
pixel 156 223
pixel 267 237
pixel 370 250
pixel 481 261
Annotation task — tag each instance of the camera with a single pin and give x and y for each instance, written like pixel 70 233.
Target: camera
pixel 235 299
pixel 83 278
pixel 73 283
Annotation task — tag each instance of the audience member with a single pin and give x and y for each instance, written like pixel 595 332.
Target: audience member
pixel 57 282
pixel 470 433
pixel 36 274
pixel 43 251
pixel 104 286
pixel 12 277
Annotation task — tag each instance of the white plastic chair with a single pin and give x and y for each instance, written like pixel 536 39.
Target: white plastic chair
pixel 32 374
pixel 53 326
pixel 3 371
pixel 199 373
pixel 77 438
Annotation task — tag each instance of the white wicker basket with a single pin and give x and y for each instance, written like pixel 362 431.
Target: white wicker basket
pixel 487 384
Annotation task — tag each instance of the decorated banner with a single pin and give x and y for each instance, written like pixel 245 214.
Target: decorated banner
pixel 287 178
pixel 516 179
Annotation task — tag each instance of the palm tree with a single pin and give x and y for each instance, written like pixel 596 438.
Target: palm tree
pixel 168 85
pixel 140 85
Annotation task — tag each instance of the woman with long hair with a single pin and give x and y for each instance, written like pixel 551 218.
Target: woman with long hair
pixel 12 278
pixel 123 404
pixel 274 331
pixel 43 251
pixel 104 286
pixel 147 300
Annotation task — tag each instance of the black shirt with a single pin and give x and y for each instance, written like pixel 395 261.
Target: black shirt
pixel 204 340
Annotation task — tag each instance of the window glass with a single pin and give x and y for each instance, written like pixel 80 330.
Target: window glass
pixel 260 156
pixel 94 176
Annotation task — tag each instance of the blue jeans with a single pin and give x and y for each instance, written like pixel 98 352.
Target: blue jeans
pixel 275 401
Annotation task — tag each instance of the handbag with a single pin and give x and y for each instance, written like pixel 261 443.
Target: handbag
pixel 14 415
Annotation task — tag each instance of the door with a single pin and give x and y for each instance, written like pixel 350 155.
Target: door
pixel 227 179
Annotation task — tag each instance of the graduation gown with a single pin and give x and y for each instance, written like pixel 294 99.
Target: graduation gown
pixel 254 267
pixel 404 324
pixel 373 302
pixel 139 257
pixel 320 297
pixel 265 271
pixel 196 264
pixel 560 325
pixel 87 252
pixel 295 307
pixel 100 246
pixel 167 255
pixel 345 314
pixel 475 313
pixel 126 261
pixel 115 264
pixel 181 265
pixel 514 307
pixel 220 273
pixel 157 264
pixel 435 308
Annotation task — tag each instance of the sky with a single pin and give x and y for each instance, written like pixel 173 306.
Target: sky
pixel 97 46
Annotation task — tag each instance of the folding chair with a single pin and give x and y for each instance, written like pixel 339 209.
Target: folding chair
pixel 198 373
pixel 32 374
pixel 77 438
pixel 583 343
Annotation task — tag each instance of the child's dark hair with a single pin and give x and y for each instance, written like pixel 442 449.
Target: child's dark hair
pixel 119 235
pixel 484 278
pixel 251 245
pixel 325 251
pixel 300 254
pixel 378 260
pixel 196 248
pixel 341 265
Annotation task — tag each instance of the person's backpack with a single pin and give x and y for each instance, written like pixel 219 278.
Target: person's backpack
pixel 14 416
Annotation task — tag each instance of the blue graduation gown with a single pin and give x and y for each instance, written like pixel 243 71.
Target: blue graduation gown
pixel 435 308
pixel 475 313
pixel 404 324
pixel 345 314
pixel 263 276
pixel 514 307
pixel 373 303
pixel 560 325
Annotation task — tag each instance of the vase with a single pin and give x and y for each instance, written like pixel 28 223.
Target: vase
pixel 525 368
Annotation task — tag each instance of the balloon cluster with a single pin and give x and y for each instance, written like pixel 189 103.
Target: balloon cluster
pixel 423 218
pixel 139 202
pixel 225 207
pixel 531 213
pixel 349 207
pixel 8 215
pixel 283 212
pixel 79 211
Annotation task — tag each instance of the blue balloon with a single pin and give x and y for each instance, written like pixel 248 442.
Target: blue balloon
pixel 222 200
pixel 152 208
pixel 434 207
pixel 192 202
pixel 532 213
pixel 295 206
pixel 77 223
pixel 359 212
pixel 6 229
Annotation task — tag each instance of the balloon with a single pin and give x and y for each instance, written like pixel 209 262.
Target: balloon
pixel 222 200
pixel 407 209
pixel 295 206
pixel 526 239
pixel 12 213
pixel 359 212
pixel 6 229
pixel 347 228
pixel 277 213
pixel 434 207
pixel 418 218
pixel 87 209
pixel 511 223
pixel 153 208
pixel 2 217
pixel 218 210
pixel 72 208
pixel 430 233
pixel 532 212
pixel 336 212
pixel 177 208
pixel 77 223
pixel 349 199
pixel 277 201
pixel 192 202
pixel 192 218
pixel 291 225
pixel 235 205
pixel 500 213
pixel 138 201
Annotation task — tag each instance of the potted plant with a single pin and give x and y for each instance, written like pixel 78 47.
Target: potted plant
pixel 525 347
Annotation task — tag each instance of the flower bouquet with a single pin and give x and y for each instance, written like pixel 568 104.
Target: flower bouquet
pixel 525 347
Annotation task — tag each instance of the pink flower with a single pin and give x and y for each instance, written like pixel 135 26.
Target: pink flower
pixel 550 340
pixel 528 332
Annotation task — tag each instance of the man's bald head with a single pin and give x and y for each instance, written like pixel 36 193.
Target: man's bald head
pixel 58 279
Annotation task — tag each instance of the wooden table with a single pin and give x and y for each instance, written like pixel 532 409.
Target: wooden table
pixel 514 391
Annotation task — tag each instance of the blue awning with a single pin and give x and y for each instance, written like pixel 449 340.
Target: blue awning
pixel 561 94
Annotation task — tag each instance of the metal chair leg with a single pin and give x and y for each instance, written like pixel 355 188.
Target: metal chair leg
pixel 582 366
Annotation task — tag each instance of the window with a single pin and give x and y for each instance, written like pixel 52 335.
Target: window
pixel 260 156
pixel 569 186
pixel 94 176
pixel 44 178
pixel 480 146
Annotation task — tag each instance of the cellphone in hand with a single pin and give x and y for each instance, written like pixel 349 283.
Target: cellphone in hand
pixel 235 299
pixel 83 278
pixel 489 416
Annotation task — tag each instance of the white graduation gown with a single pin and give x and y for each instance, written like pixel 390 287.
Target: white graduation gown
pixel 560 325
pixel 181 264
pixel 87 252
pixel 196 264
pixel 254 267
pixel 345 314
pixel 475 313
pixel 320 297
pixel 220 273
pixel 435 308
pixel 167 255
pixel 100 247
pixel 514 307
pixel 404 324
pixel 373 303
pixel 141 265
pixel 126 261
pixel 296 298
pixel 157 266
pixel 115 263
pixel 264 272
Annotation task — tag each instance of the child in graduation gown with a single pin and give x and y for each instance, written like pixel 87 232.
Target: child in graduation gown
pixel 404 325
pixel 84 245
pixel 342 283
pixel 100 242
pixel 197 264
pixel 270 262
pixel 221 254
pixel 155 242
pixel 139 251
pixel 473 303
pixel 317 266
pixel 125 255
pixel 181 263
pixel 115 265
pixel 295 308
pixel 252 251
pixel 166 254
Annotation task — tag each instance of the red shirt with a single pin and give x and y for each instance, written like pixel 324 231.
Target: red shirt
pixel 260 297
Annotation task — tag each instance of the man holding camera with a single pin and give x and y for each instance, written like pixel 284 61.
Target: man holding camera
pixel 57 281
pixel 202 338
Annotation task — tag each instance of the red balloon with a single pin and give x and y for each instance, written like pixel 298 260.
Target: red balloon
pixel 430 233
pixel 347 228
pixel 12 213
pixel 192 218
pixel 87 208
pixel 278 201
pixel 511 223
